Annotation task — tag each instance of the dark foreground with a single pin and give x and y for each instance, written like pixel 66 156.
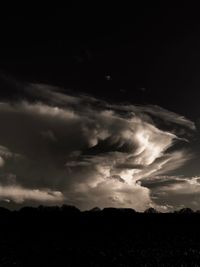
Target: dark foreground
pixel 55 237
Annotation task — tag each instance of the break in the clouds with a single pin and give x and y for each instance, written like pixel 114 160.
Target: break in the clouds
pixel 58 148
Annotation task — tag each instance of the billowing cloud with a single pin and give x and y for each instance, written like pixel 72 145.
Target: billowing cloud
pixel 83 151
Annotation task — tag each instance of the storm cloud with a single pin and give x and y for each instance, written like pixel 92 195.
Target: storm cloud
pixel 175 192
pixel 60 148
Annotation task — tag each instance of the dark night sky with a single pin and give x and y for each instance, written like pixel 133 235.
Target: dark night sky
pixel 144 61
pixel 156 48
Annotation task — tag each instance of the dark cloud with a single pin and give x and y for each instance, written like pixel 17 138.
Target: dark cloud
pixel 57 148
pixel 173 192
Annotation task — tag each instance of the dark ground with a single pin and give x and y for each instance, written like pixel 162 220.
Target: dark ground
pixel 66 237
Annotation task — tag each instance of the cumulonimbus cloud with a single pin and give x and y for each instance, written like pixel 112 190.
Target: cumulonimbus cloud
pixel 93 153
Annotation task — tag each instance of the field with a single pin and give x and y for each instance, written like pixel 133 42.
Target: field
pixel 102 238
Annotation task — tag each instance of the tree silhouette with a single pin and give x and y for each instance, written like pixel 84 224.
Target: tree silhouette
pixel 185 211
pixel 150 210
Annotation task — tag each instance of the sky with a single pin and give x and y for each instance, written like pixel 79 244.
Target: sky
pixel 98 110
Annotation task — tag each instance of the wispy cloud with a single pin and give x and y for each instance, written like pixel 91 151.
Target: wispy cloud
pixel 175 192
pixel 19 195
pixel 91 152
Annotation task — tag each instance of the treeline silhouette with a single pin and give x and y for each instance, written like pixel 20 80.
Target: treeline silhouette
pixel 66 236
pixel 46 217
